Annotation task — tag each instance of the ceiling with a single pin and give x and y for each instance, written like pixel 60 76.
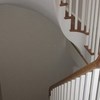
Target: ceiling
pixel 33 53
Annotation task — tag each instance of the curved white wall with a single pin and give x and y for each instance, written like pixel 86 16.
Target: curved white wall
pixel 45 7
pixel 33 54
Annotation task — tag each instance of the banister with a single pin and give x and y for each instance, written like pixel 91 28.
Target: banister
pixel 84 70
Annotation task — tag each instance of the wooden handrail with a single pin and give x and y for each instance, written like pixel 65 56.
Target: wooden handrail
pixel 82 71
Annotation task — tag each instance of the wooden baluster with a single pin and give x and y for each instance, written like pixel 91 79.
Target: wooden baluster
pixel 97 39
pixel 91 24
pixel 76 14
pixel 59 92
pixel 62 92
pixel 51 97
pixel 88 16
pixel 95 26
pixel 56 93
pixel 65 91
pixel 82 84
pixel 88 21
pixel 77 82
pixel 70 8
pixel 72 89
pixel 98 93
pixel 87 86
pixel 68 92
pixel 83 14
pixel 95 79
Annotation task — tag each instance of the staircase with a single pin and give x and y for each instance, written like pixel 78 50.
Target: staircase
pixel 79 21
pixel 81 85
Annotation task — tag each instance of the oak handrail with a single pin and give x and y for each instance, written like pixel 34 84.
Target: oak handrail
pixel 82 71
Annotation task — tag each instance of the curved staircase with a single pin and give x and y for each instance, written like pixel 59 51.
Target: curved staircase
pixel 79 21
pixel 80 24
pixel 84 84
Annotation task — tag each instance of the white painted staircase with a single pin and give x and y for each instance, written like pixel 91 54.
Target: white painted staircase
pixel 80 23
pixel 84 84
pixel 82 31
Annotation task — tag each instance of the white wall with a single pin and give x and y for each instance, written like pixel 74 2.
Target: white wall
pixel 33 54
pixel 45 7
pixel 77 58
